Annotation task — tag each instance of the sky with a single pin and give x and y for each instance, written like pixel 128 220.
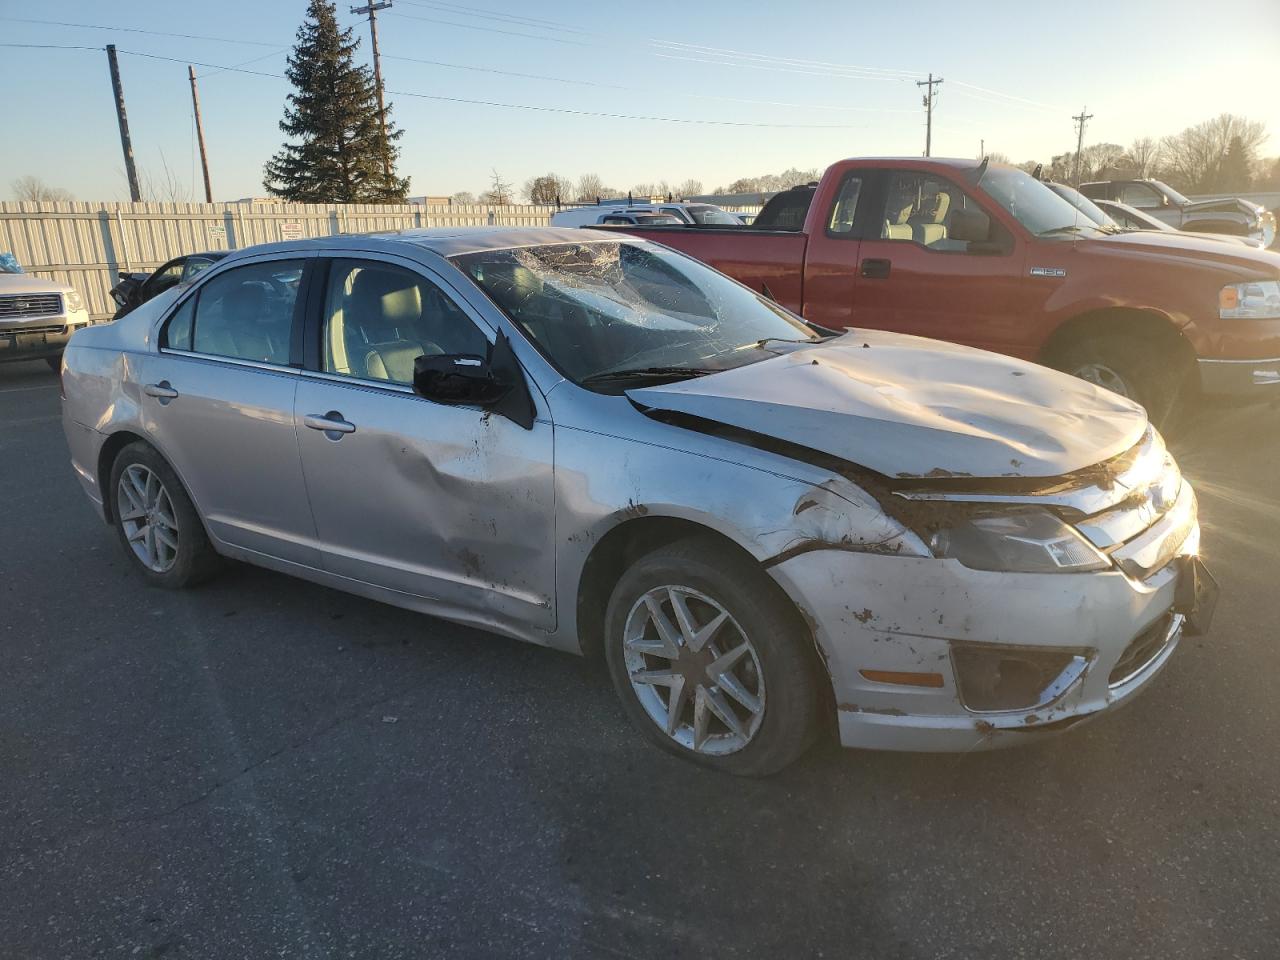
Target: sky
pixel 772 85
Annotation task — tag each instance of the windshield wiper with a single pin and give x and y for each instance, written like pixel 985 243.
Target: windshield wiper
pixel 1070 228
pixel 647 373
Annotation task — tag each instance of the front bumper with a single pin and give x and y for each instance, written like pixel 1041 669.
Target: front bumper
pixel 1257 379
pixel 40 337
pixel 908 615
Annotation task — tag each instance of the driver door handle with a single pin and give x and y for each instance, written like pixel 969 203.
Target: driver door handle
pixel 876 269
pixel 161 391
pixel 330 422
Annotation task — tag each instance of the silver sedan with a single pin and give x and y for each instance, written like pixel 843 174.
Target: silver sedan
pixel 600 445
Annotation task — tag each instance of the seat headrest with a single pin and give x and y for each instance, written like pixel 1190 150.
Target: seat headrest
pixel 388 295
pixel 511 283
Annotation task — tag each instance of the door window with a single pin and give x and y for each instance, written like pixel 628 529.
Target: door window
pixel 846 205
pixel 194 266
pixel 379 318
pixel 1139 195
pixel 920 208
pixel 245 313
pixel 164 278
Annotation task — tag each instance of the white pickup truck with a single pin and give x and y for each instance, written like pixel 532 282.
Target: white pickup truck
pixel 37 316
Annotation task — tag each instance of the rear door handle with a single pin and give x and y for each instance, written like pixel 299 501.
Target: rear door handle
pixel 330 423
pixel 162 391
pixel 875 269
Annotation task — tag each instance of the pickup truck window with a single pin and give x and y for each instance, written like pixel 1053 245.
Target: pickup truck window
pixel 918 209
pixel 609 311
pixel 786 210
pixel 1139 196
pixel 842 211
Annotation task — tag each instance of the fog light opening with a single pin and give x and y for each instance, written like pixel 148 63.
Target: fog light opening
pixel 993 678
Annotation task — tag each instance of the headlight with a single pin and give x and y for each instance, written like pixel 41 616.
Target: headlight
pixel 1256 300
pixel 74 303
pixel 1014 540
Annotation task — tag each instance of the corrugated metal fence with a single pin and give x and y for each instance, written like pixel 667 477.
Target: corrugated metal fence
pixel 86 244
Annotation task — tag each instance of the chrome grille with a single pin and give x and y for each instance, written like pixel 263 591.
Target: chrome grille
pixel 18 306
pixel 48 328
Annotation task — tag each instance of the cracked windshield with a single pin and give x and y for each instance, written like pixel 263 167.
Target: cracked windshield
pixel 612 313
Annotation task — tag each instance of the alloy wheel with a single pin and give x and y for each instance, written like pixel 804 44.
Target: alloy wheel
pixel 147 518
pixel 694 670
pixel 1101 375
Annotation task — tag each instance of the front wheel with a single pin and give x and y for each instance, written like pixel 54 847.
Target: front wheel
pixel 1138 370
pixel 55 363
pixel 711 661
pixel 156 520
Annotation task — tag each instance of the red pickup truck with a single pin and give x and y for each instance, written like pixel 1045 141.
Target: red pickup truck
pixel 984 254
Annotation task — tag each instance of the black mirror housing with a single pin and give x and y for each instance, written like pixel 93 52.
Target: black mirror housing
pixel 494 382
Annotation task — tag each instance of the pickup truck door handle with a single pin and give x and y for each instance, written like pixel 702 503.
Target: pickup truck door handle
pixel 330 423
pixel 875 269
pixel 162 391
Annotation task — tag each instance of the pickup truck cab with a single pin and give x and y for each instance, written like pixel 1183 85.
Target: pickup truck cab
pixel 986 255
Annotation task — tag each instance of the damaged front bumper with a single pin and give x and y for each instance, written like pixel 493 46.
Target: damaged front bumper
pixel 929 655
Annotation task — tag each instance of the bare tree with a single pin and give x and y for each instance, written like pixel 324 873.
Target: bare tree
pixel 463 196
pixel 688 188
pixel 1193 159
pixel 642 191
pixel 547 188
pixel 35 190
pixel 1144 154
pixel 590 186
pixel 499 191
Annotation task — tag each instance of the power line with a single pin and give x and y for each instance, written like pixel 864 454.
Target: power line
pixel 154 33
pixel 523 106
pixel 48 46
pixel 536 23
pixel 472 26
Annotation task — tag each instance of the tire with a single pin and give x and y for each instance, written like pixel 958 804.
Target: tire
pixel 1133 368
pixel 170 518
pixel 778 670
pixel 55 363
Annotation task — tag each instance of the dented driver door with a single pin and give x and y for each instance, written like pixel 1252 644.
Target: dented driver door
pixel 450 503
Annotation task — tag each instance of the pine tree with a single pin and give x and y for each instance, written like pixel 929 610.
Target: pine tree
pixel 1233 173
pixel 333 111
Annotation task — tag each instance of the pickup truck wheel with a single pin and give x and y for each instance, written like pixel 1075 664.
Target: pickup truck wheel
pixel 710 660
pixel 157 523
pixel 1132 368
pixel 55 363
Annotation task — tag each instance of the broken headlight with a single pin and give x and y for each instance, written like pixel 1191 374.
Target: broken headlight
pixel 1029 540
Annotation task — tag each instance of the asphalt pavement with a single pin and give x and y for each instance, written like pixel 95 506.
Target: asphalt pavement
pixel 266 768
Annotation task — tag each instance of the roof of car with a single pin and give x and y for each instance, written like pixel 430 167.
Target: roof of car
pixel 451 241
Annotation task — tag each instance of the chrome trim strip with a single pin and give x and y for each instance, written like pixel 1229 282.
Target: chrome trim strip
pixel 388 385
pixel 233 361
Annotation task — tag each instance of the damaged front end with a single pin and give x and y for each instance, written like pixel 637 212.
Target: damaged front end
pixel 1021 605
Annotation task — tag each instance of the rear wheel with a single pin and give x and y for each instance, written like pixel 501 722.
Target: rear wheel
pixel 156 521
pixel 1139 370
pixel 55 363
pixel 710 660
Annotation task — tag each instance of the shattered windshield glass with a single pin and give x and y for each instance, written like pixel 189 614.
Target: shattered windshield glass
pixel 609 311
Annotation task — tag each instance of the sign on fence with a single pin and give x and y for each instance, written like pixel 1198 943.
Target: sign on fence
pixel 291 230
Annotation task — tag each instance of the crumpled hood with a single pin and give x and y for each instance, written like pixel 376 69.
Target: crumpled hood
pixel 910 407
pixel 1230 204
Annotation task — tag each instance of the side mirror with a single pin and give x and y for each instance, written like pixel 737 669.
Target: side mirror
pixel 494 382
pixel 1165 201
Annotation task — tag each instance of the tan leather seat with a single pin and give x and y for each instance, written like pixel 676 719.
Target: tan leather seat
pixel 896 231
pixel 380 317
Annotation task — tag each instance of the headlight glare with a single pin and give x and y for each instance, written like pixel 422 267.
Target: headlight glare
pixel 1255 300
pixel 1018 541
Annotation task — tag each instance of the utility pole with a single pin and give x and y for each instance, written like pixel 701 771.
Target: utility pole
pixel 928 111
pixel 204 158
pixel 982 147
pixel 125 143
pixel 372 9
pixel 1080 118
